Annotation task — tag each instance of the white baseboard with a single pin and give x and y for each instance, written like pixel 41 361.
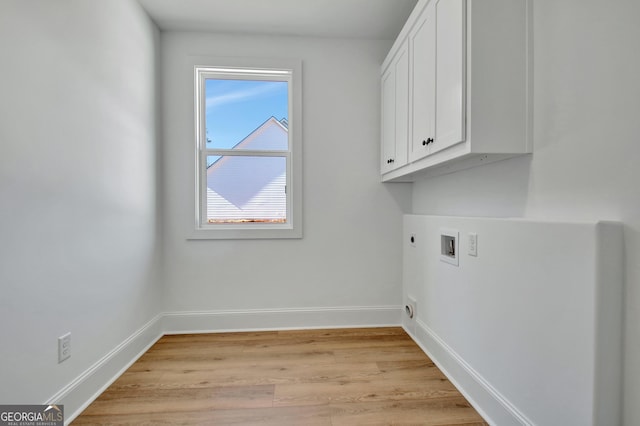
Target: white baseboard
pixel 280 319
pixel 82 391
pixel 491 405
pixel 85 388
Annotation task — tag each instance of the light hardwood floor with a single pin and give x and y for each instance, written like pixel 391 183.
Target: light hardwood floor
pixel 369 376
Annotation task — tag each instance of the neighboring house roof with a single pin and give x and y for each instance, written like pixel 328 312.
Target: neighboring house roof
pixel 268 135
pixel 234 194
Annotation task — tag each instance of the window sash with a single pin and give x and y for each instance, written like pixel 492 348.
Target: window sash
pixel 258 74
pixel 204 73
pixel 202 218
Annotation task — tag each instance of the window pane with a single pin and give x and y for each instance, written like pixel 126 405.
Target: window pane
pixel 246 189
pixel 246 114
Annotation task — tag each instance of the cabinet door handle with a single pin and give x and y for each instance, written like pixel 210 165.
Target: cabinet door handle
pixel 424 143
pixel 391 160
pixel 430 140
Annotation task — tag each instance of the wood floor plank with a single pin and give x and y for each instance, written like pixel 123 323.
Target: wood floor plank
pixel 401 353
pixel 225 338
pixel 283 416
pixel 119 401
pixel 213 361
pixel 138 379
pixel 277 416
pixel 269 374
pixel 366 376
pixel 301 345
pixel 209 351
pixel 453 410
pixel 349 333
pixel 371 390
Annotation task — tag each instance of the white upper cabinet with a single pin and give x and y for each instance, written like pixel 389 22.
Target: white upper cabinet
pixel 395 111
pixel 467 88
pixel 450 84
pixel 422 45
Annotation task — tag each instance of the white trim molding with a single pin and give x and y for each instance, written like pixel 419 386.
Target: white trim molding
pixel 280 319
pixel 489 403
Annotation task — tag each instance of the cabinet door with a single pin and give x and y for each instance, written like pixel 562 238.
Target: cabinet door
pixel 395 107
pixel 450 71
pixel 422 44
pixel 388 148
pixel 402 107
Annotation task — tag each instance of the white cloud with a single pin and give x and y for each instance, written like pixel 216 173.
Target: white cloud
pixel 239 95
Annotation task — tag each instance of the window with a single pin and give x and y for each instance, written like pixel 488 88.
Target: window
pixel 248 151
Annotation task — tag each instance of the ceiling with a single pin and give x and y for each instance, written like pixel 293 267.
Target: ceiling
pixel 364 19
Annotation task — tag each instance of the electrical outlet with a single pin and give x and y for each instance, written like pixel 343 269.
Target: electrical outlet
pixel 411 301
pixel 64 347
pixel 473 244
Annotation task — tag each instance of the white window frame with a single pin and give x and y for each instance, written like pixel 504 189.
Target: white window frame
pixel 250 69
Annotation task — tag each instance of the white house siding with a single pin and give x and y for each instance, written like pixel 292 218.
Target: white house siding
pixel 268 204
pixel 234 195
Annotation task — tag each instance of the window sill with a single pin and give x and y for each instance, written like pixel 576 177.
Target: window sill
pixel 245 234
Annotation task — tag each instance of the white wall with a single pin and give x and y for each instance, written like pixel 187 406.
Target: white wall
pixel 79 227
pixel 586 144
pixel 350 254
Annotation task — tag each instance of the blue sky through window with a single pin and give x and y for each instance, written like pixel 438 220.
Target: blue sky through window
pixel 235 108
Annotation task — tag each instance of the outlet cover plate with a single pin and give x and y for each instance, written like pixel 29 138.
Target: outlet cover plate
pixel 473 244
pixel 64 347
